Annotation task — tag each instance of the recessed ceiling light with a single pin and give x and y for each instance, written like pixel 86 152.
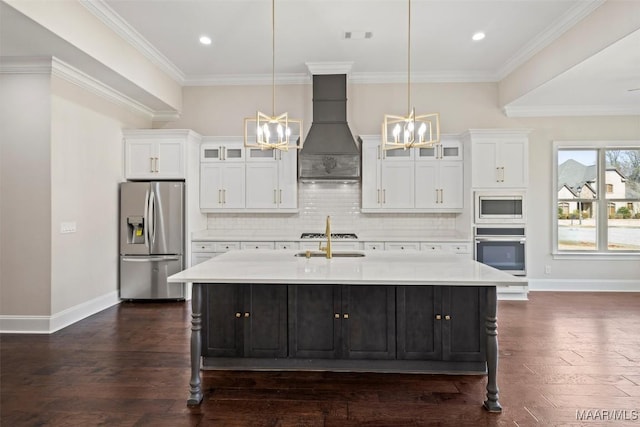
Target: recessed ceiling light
pixel 478 36
pixel 205 40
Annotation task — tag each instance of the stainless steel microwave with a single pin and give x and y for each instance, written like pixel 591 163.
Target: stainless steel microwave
pixel 496 208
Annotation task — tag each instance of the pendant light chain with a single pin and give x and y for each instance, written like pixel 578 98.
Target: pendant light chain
pixel 273 57
pixel 409 61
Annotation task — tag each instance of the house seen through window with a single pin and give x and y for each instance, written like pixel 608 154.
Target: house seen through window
pixel 598 199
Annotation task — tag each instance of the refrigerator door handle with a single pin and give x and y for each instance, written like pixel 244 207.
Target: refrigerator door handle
pixel 152 218
pixel 152 258
pixel 145 223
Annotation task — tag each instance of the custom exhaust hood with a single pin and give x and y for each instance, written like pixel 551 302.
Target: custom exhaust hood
pixel 330 152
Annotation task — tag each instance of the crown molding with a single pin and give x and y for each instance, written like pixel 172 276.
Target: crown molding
pixel 569 19
pixel 25 65
pixel 165 116
pixel 247 80
pixel 354 78
pixel 71 74
pixel 571 110
pixel 329 67
pixel 111 19
pixel 56 67
pixel 426 77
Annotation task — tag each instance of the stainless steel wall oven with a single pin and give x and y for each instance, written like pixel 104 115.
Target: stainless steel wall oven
pixel 502 247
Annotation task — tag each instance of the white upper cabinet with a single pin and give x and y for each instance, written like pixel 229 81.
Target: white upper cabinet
pixel 499 158
pixel 439 186
pixel 241 179
pixel 155 154
pixel 271 180
pixel 222 174
pixel 388 177
pixel 413 180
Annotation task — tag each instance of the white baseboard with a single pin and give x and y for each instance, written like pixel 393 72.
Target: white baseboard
pixel 513 293
pixel 17 324
pixel 584 285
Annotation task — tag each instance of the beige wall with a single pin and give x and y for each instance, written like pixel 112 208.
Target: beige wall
pixel 86 167
pixel 219 111
pixel 25 195
pixel 61 161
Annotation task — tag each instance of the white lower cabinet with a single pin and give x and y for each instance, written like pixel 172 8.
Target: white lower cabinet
pixel 257 245
pixel 287 245
pixel 401 246
pixel 204 250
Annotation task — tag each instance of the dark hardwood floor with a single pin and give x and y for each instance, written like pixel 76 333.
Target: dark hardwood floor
pixel 562 356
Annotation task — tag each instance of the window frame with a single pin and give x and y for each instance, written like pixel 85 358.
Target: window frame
pixel 603 202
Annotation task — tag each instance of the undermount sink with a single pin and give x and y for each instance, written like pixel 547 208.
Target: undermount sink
pixel 335 254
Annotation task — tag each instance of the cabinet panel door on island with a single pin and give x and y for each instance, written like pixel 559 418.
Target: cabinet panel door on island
pixel 314 321
pixel 221 328
pixel 368 322
pixel 463 332
pixel 347 322
pixel 245 321
pixel 441 323
pixel 418 337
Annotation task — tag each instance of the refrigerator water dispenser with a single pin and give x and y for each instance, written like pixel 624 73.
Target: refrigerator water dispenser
pixel 135 230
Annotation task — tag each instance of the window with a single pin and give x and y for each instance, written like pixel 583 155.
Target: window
pixel 598 197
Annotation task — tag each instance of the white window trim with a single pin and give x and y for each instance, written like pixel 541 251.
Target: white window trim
pixel 579 255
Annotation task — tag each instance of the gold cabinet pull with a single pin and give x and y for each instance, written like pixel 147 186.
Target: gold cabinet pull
pixel 336 316
pixel 447 317
pixel 346 316
pixel 438 317
pixel 238 315
pixel 219 196
pixel 246 314
pixel 274 196
pixel 150 164
pixel 280 196
pixel 378 195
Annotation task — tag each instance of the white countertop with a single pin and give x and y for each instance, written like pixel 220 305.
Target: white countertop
pixel 363 236
pixel 375 268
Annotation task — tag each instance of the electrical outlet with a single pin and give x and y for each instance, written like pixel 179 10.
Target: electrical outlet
pixel 547 269
pixel 67 227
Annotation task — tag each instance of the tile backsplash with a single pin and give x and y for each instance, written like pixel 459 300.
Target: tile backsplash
pixel 342 202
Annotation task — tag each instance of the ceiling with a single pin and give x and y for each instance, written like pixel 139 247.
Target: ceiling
pixel 442 50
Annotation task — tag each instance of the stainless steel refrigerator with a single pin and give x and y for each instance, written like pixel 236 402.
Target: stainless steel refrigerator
pixel 151 239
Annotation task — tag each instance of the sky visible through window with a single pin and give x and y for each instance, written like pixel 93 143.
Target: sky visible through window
pixel 586 157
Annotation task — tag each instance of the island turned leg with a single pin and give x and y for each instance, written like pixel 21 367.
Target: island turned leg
pixel 491 404
pixel 195 385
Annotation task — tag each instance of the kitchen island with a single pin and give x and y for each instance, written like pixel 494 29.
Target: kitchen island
pixel 385 311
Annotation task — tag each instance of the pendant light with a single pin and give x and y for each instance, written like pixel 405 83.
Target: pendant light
pixel 275 131
pixel 410 131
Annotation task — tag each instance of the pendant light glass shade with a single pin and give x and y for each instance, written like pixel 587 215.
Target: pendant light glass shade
pixel 275 131
pixel 410 131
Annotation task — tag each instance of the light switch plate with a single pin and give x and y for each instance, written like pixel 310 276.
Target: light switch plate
pixel 67 227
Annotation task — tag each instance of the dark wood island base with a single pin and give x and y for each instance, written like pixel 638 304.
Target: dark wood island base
pixel 401 353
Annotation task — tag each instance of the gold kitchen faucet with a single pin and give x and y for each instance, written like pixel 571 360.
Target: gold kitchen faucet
pixel 327 232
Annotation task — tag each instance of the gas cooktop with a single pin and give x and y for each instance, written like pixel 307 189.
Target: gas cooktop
pixel 324 236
